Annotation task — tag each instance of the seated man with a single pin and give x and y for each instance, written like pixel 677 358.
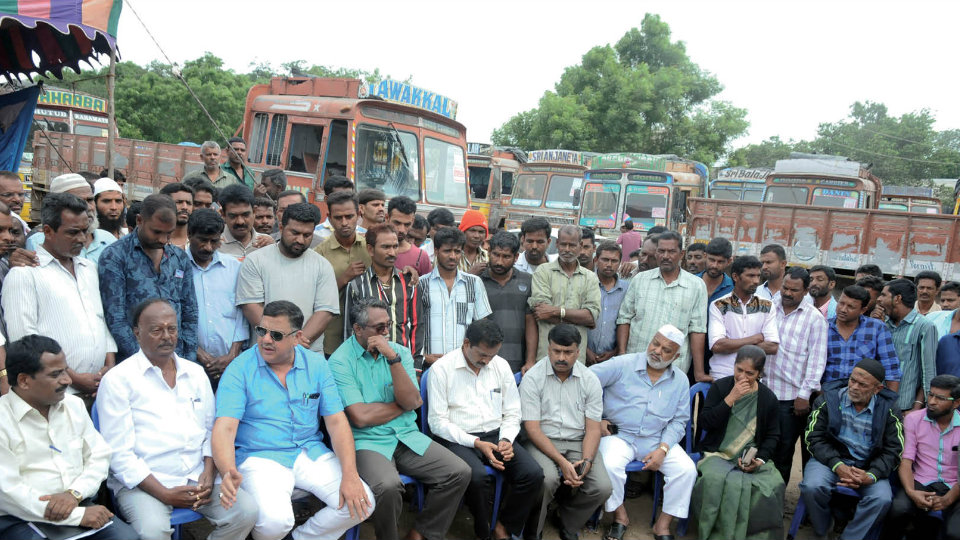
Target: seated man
pixel 379 388
pixel 52 460
pixel 855 440
pixel 646 407
pixel 156 412
pixel 474 410
pixel 269 404
pixel 562 405
pixel 928 470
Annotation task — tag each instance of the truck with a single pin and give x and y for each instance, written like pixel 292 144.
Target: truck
pixel 740 183
pixel 546 186
pixel 492 172
pixel 916 199
pixel 825 210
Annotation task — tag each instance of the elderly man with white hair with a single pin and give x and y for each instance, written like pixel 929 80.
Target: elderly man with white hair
pixel 645 410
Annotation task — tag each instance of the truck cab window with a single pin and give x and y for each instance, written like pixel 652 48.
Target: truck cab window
pixel 304 148
pixel 278 131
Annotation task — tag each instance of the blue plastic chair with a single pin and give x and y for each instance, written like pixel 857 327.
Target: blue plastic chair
pixel 354 533
pixel 801 513
pixel 179 516
pixel 497 476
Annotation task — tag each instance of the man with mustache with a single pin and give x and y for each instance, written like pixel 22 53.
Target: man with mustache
pixel 239 237
pixel 774 260
pixel 54 459
pixel 11 239
pixel 400 215
pixel 646 407
pixel 373 208
pixel 332 184
pixel 508 290
pixel 211 171
pixel 915 340
pixel 475 230
pixel 347 253
pixel 97 239
pixel 156 413
pixel 855 437
pixel 822 281
pixel 144 265
pixel 11 194
pixel 225 331
pixel 289 270
pixel 264 215
pixel 561 407
pixel 852 336
pixel 204 194
pixel 602 339
pixel 741 318
pixel 928 467
pixel 182 196
pixel 588 248
pixel 534 242
pixel 108 198
pixel 60 298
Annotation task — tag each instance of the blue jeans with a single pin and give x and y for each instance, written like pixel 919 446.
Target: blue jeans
pixel 14 528
pixel 817 490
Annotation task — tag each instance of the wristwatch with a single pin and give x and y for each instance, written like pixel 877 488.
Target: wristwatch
pixel 76 494
pixel 3 373
pixel 664 447
pixel 394 361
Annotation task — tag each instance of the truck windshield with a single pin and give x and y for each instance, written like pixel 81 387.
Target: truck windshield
pixel 479 182
pixel 646 202
pixel 924 209
pixel 446 172
pixel 725 194
pixel 561 191
pixel 900 207
pixel 529 190
pixel 753 195
pixel 387 161
pixel 600 201
pixel 835 198
pixel 786 195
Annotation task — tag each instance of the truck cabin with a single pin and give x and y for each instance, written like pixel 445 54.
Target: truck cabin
pixel 649 198
pixel 492 170
pixel 913 199
pixel 821 190
pixel 739 184
pixel 387 135
pixel 545 186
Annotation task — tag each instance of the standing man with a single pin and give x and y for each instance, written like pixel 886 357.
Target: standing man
pixel 96 240
pixel 268 437
pixel 851 337
pixel 239 237
pixel 400 215
pixel 949 298
pixel 381 280
pixel 565 292
pixel 629 239
pixel 508 291
pixel 156 413
pixel 417 233
pixel 373 208
pixel 741 318
pixel 264 215
pixel 144 265
pixel 235 171
pixel 53 457
pixel 331 185
pixel 272 183
pixel 288 270
pixel 915 341
pixel 183 197
pixel 667 295
pixel 534 241
pixel 855 438
pixel 647 254
pixel 588 248
pixel 11 194
pixel 928 286
pixel 284 200
pixel 108 197
pixel 474 227
pixel 211 171
pixel 223 331
pixel 874 287
pixel 437 219
pixel 774 260
pixel 60 298
pixel 474 411
pixel 379 389
pixel 640 426
pixel 794 373
pixel 454 298
pixel 347 254
pixel 562 405
pixel 204 194
pixel 602 339
pixel 696 258
pixel 822 281
pixel 719 255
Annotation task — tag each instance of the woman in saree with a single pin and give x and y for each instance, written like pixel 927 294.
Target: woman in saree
pixel 736 495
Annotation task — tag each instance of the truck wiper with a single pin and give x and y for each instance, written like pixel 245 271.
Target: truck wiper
pixel 403 150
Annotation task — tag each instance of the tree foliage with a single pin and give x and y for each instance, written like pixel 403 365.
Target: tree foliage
pixel 642 94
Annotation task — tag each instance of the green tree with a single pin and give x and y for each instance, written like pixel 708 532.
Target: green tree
pixel 766 153
pixel 642 94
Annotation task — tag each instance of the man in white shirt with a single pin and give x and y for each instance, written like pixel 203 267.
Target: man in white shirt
pixel 52 460
pixel 474 409
pixel 156 413
pixel 740 318
pixel 60 298
pixel 534 242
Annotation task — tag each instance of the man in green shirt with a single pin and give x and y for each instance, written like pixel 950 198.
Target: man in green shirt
pixel 210 154
pixel 379 391
pixel 236 171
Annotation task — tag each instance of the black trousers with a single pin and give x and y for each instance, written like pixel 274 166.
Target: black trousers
pixel 522 473
pixel 791 429
pixel 903 512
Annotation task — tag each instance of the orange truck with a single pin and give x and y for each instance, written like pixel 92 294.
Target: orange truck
pixel 825 211
pixel 546 186
pixel 492 173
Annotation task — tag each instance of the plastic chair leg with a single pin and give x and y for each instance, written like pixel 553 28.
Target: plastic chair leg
pixel 497 494
pixel 798 516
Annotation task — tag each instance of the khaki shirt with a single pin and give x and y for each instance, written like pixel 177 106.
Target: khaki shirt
pixel 340 258
pixel 561 407
pixel 231 246
pixel 552 286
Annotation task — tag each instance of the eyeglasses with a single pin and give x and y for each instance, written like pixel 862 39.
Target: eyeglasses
pixel 938 397
pixel 275 335
pixel 380 328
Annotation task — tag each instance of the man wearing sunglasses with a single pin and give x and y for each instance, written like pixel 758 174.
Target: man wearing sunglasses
pixel 273 444
pixel 928 470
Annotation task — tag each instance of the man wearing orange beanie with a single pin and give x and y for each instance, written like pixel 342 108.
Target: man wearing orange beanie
pixel 474 227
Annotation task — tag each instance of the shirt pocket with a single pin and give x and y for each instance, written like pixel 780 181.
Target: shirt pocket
pixel 463 310
pixel 305 410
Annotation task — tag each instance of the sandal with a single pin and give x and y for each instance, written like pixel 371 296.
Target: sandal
pixel 615 531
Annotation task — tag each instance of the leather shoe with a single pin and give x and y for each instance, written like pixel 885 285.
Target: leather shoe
pixel 663 537
pixel 567 535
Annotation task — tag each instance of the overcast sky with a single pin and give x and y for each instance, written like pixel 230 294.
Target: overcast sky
pixel 791 64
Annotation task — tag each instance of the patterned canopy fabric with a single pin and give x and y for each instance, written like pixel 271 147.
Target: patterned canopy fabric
pixel 45 36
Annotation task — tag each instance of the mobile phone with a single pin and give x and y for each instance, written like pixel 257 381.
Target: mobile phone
pixel 613 428
pixel 749 454
pixel 581 468
pixel 499 455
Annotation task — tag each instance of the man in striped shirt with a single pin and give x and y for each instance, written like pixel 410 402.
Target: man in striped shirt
pixel 406 299
pixel 794 372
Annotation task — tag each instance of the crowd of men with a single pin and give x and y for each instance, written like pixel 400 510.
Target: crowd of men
pixel 235 349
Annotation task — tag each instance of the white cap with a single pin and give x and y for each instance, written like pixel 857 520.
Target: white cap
pixel 672 333
pixel 66 182
pixel 105 184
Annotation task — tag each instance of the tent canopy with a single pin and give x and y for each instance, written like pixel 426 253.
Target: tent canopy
pixel 60 32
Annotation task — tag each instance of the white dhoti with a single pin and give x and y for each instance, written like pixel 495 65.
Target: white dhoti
pixel 679 471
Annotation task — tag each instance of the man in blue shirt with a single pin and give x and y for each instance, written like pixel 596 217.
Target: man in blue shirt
pixel 602 338
pixel 645 412
pixel 223 331
pixel 267 433
pixel 948 355
pixel 143 265
pixel 851 337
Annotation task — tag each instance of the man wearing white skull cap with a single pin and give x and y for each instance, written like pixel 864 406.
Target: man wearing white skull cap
pixel 645 411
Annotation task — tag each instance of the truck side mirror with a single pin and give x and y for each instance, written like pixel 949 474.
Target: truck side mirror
pixel 576 197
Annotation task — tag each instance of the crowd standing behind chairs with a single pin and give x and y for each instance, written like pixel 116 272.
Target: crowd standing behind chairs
pixel 236 351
